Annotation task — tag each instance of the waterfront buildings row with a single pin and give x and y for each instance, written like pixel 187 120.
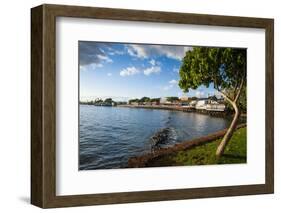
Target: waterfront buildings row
pixel 209 104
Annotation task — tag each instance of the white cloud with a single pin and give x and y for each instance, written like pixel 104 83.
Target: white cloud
pixel 116 52
pixel 109 74
pixel 200 94
pixel 129 71
pixel 105 58
pixel 92 53
pixel 173 81
pixel 152 62
pixel 137 50
pixel 171 85
pixel 145 51
pixel 90 67
pixel 168 87
pixel 153 69
pixel 133 71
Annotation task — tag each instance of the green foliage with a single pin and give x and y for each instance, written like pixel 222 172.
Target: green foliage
pixel 144 99
pixel 108 100
pixel 134 100
pixel 205 154
pixel 171 99
pixel 121 102
pixel 193 98
pixel 155 100
pixel 224 67
pixel 98 100
pixel 243 100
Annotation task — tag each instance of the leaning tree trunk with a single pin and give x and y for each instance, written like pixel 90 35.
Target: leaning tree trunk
pixel 234 122
pixel 230 130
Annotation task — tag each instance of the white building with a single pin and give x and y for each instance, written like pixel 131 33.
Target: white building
pixel 209 105
pixel 164 101
pixel 215 107
pixel 184 98
pixel 201 104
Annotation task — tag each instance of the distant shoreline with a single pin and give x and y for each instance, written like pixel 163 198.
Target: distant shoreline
pixel 178 108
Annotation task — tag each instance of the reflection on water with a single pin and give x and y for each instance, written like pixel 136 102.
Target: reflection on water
pixel 109 136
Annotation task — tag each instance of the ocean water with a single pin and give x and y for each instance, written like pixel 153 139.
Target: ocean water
pixel 109 136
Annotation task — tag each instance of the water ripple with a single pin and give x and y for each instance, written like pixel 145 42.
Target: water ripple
pixel 110 135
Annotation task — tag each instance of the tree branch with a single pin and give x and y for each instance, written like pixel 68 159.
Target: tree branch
pixel 235 89
pixel 239 90
pixel 226 97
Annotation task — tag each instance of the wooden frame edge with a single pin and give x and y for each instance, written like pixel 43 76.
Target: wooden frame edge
pixel 154 196
pixel 36 106
pixel 269 105
pixel 43 105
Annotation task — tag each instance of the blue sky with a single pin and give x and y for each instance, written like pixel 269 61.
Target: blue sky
pixel 125 71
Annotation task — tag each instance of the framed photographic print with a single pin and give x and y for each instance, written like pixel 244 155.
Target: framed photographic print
pixel 136 106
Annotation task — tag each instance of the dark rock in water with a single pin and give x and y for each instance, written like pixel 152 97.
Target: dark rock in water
pixel 163 136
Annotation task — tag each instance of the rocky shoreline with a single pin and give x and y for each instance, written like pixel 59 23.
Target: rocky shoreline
pixel 144 160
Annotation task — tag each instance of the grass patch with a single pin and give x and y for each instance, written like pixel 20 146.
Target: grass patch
pixel 235 152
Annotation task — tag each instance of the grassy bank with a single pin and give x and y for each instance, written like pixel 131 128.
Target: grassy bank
pixel 236 152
